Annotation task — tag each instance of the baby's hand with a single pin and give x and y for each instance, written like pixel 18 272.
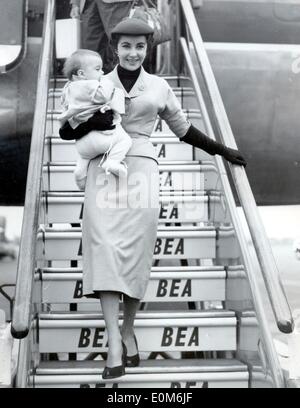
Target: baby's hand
pixel 105 108
pixel 75 11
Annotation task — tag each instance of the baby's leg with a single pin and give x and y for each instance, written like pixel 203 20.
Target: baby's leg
pixel 89 146
pixel 80 172
pixel 120 146
pixel 94 143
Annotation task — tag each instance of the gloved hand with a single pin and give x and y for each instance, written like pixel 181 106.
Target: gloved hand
pixel 196 138
pixel 99 121
pixel 234 157
pixel 102 121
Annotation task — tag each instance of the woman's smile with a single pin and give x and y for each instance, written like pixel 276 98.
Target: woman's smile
pixel 132 51
pixel 134 62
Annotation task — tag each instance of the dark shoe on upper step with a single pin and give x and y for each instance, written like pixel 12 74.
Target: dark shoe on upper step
pixel 132 361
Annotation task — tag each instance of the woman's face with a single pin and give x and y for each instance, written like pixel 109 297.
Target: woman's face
pixel 132 51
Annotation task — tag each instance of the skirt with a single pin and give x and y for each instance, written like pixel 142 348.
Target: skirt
pixel 119 228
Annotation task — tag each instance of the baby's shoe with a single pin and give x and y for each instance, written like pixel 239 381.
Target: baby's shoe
pixel 81 182
pixel 80 177
pixel 112 166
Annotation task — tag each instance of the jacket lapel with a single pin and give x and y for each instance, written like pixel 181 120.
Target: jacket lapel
pixel 114 77
pixel 138 88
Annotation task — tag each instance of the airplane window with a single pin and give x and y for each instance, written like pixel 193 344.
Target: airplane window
pixel 12 33
pixel 9 53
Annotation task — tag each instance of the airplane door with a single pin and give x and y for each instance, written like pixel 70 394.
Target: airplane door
pixel 13 32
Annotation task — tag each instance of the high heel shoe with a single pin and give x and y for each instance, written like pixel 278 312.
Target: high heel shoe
pixel 117 371
pixel 132 361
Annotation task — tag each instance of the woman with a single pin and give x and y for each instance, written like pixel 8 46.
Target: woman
pixel 119 240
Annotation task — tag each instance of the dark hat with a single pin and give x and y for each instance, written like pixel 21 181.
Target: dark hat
pixel 132 26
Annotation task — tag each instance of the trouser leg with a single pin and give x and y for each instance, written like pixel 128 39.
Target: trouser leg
pixel 93 37
pixel 111 14
pixel 62 9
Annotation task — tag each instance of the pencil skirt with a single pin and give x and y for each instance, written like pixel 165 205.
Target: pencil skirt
pixel 119 228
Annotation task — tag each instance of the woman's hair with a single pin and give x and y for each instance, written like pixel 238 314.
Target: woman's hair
pixel 76 61
pixel 116 37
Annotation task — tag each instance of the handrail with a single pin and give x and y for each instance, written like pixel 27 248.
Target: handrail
pixel 269 348
pixel 27 253
pixel 24 357
pixel 261 243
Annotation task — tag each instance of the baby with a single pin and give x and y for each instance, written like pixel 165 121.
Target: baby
pixel 86 92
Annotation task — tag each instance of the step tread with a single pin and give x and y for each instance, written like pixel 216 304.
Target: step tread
pixel 146 366
pixel 171 194
pixel 163 229
pixel 174 88
pixel 73 276
pixel 190 112
pixel 162 164
pixel 166 77
pixel 143 315
pixel 157 139
pixel 154 269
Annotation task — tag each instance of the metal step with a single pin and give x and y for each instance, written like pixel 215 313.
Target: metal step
pixel 185 95
pixel 155 331
pixel 177 176
pixel 68 207
pixel 179 81
pixel 161 129
pixel 173 81
pixel 167 284
pixel 167 148
pixel 172 243
pixel 181 373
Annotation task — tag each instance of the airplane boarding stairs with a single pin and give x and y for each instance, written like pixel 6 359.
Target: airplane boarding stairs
pixel 197 317
pixel 197 325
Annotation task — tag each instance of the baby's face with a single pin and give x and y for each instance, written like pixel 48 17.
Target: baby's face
pixel 92 68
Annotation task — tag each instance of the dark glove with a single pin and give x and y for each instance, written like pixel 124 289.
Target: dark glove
pixel 196 138
pixel 102 121
pixel 234 157
pixel 99 121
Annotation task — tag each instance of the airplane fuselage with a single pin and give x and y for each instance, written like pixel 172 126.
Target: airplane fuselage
pixel 259 85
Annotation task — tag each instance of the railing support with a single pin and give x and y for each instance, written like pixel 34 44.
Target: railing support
pixel 248 261
pixel 262 246
pixel 27 253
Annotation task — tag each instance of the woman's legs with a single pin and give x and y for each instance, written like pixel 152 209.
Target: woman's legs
pixel 131 306
pixel 110 309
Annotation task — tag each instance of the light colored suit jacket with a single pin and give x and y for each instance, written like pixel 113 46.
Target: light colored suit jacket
pixel 150 96
pixel 82 98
